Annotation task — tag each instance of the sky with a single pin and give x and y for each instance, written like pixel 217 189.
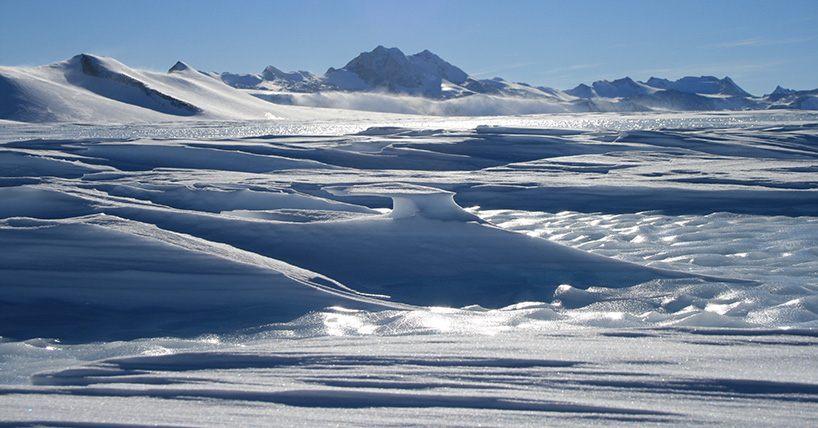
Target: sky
pixel 559 44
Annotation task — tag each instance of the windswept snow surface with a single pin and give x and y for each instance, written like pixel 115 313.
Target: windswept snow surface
pixel 559 270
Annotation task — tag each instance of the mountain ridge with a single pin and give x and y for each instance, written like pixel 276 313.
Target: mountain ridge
pixel 89 88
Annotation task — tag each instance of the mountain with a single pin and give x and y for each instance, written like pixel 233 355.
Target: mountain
pixel 788 98
pixel 686 94
pixel 86 87
pixel 708 85
pixel 624 87
pixel 433 65
pixel 273 79
pixel 390 69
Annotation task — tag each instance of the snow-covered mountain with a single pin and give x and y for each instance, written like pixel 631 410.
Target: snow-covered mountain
pixel 275 80
pixel 689 93
pixel 625 87
pixel 788 98
pixel 390 69
pixel 88 88
pixel 686 94
pixel 708 85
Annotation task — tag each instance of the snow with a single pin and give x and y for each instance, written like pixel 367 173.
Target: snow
pixel 366 269
pixel 433 65
pixel 554 378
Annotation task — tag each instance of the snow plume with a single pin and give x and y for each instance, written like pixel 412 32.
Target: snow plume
pixel 473 105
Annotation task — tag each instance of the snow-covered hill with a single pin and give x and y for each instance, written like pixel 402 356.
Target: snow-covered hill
pixel 88 88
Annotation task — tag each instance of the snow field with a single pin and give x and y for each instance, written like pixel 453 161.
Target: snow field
pixel 634 270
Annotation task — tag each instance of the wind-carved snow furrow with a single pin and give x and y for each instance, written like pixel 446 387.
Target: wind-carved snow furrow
pixel 357 399
pixel 486 383
pixel 649 376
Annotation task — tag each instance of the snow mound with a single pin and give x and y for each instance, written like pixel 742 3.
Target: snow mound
pixel 410 200
pixel 66 277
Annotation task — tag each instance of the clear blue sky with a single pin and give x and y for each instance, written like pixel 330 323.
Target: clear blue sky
pixel 553 43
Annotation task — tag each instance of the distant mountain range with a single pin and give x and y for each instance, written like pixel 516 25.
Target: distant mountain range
pixel 388 70
pixel 98 89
